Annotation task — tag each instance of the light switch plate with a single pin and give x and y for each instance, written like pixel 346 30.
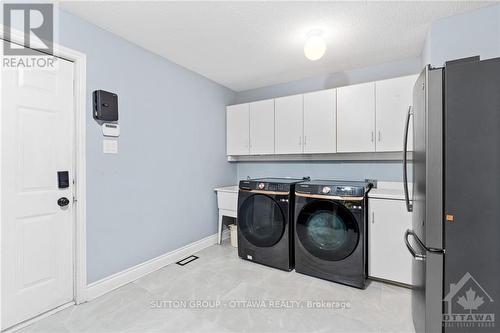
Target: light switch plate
pixel 110 146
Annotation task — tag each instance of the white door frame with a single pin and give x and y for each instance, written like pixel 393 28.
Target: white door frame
pixel 79 61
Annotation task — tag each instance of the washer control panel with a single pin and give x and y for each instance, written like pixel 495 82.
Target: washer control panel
pixel 354 190
pixel 345 190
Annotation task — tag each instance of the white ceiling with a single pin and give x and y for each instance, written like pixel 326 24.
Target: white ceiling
pixel 245 45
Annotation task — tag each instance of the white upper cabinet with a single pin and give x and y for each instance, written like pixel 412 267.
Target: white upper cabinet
pixel 238 135
pixel 289 124
pixel 262 127
pixel 320 122
pixel 392 100
pixel 356 118
pixel 362 118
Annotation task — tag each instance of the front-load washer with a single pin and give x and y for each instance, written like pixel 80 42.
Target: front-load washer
pixel 330 231
pixel 265 221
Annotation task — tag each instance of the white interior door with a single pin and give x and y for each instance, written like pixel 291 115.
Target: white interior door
pixel 320 121
pixel 238 130
pixel 356 118
pixel 289 124
pixel 37 234
pixel 262 127
pixel 392 101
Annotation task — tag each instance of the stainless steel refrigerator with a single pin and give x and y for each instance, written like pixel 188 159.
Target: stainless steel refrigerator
pixel 455 198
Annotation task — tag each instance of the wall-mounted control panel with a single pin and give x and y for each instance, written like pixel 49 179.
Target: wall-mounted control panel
pixel 105 105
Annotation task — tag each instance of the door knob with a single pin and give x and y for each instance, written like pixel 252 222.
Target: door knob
pixel 63 202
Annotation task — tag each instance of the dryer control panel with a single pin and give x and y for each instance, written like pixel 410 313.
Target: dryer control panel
pixel 348 189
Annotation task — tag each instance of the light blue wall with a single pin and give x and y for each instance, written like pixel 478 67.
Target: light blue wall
pixel 385 171
pixel 472 33
pixel 426 52
pixel 156 195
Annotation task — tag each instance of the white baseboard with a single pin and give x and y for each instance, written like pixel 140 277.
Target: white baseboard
pixel 119 279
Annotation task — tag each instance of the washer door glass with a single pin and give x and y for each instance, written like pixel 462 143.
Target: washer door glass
pixel 261 220
pixel 327 230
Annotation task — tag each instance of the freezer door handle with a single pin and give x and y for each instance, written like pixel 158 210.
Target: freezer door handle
pixel 409 206
pixel 417 256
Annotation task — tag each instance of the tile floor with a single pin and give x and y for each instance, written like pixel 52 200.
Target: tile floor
pixel 154 303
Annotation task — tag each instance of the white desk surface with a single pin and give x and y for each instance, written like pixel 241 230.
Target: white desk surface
pixel 388 190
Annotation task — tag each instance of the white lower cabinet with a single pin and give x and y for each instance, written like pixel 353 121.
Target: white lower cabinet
pixel 388 257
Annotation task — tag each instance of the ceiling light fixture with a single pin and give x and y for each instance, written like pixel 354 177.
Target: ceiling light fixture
pixel 315 45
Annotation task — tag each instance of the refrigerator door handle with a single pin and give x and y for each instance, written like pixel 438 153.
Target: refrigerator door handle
pixel 409 206
pixel 417 256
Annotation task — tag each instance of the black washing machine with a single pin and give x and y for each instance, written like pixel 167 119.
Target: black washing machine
pixel 265 221
pixel 330 231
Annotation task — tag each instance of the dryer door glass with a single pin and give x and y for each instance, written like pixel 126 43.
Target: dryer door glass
pixel 327 230
pixel 261 220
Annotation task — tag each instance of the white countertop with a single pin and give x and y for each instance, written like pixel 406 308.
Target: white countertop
pixel 388 190
pixel 230 189
pixel 384 190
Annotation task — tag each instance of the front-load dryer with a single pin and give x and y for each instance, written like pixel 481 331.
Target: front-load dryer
pixel 265 221
pixel 330 231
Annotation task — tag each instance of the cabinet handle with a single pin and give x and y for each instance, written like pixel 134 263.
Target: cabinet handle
pixel 373 217
pixel 379 136
pixel 372 136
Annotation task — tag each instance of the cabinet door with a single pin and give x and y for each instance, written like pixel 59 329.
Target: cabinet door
pixel 237 131
pixel 262 127
pixel 289 124
pixel 392 100
pixel 319 121
pixel 388 257
pixel 356 118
